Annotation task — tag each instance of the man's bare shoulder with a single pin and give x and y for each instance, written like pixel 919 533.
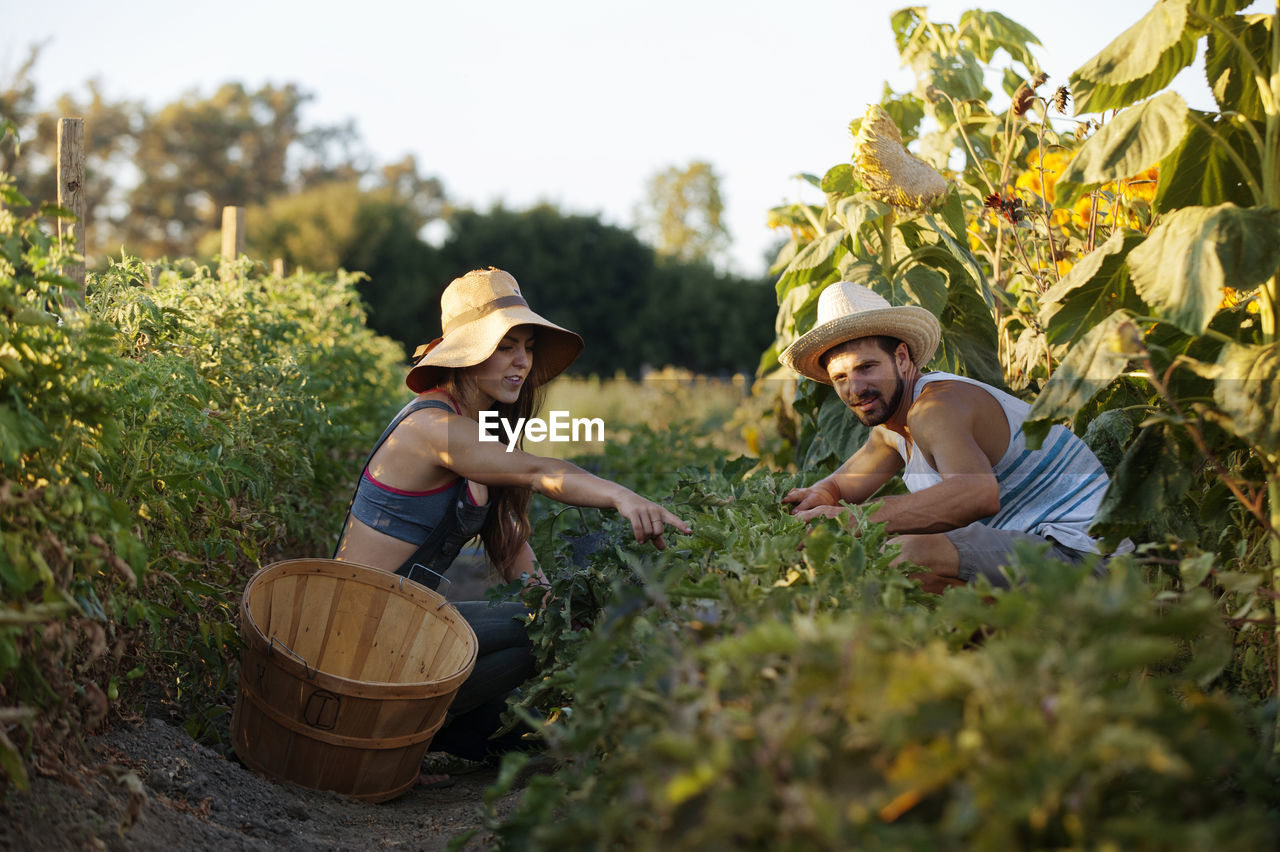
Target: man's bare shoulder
pixel 950 405
pixel 942 396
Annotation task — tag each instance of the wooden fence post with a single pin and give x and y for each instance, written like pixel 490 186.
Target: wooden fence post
pixel 71 195
pixel 232 240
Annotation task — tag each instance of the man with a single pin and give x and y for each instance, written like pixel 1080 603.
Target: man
pixel 975 488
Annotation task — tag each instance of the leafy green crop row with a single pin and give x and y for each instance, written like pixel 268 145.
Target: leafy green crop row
pixel 762 686
pixel 157 445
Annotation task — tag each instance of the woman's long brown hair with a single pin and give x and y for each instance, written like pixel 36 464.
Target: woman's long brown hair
pixel 506 528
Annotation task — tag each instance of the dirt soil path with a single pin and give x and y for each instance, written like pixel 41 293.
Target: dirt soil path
pixel 151 787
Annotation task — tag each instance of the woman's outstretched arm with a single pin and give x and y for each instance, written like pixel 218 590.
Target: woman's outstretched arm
pixel 453 442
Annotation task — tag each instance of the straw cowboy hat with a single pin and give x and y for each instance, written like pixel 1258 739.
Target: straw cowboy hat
pixel 476 311
pixel 848 311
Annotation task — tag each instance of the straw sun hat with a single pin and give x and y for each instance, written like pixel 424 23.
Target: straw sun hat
pixel 476 311
pixel 848 311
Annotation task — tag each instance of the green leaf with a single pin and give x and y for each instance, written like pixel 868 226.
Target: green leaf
pixel 1011 81
pixel 1194 252
pixel 966 258
pixel 1247 391
pixel 1095 288
pixel 1139 62
pixel 907 27
pixel 1148 484
pixel 921 286
pixel 1194 569
pixel 987 32
pixel 1106 436
pixel 906 110
pixel 952 213
pixel 769 360
pixel 12 764
pixel 1238 582
pixel 1219 8
pixel 1135 139
pixel 838 434
pixel 10 196
pixel 841 179
pixel 854 211
pixel 1090 366
pixel 818 545
pixel 1230 77
pixel 866 274
pixel 969 337
pixel 1136 652
pixel 1200 172
pixel 819 251
pixel 958 74
pixel 799 308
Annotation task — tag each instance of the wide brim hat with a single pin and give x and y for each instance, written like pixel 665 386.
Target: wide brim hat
pixel 476 312
pixel 848 311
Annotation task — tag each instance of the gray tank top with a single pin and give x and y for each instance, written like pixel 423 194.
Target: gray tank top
pixel 412 515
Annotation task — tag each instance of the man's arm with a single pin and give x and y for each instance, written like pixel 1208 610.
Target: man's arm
pixel 943 424
pixel 861 475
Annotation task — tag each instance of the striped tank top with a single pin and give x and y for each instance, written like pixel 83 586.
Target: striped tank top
pixel 1053 492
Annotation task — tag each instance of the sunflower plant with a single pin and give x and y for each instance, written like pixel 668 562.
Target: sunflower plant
pixel 942 204
pixel 1179 321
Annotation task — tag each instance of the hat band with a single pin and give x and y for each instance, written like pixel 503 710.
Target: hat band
pixel 483 311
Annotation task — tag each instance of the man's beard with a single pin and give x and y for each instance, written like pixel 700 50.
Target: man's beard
pixel 874 417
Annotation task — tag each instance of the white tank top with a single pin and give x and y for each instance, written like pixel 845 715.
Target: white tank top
pixel 1054 491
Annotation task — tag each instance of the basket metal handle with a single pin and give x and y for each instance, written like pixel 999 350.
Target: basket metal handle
pixel 310 669
pixel 409 576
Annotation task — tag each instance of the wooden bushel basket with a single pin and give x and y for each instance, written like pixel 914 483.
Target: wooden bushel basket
pixel 346 675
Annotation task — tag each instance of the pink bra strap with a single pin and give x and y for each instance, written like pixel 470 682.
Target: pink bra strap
pixel 457 409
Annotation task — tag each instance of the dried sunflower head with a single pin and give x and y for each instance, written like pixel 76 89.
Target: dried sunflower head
pixel 1022 100
pixel 1011 208
pixel 1060 98
pixel 889 171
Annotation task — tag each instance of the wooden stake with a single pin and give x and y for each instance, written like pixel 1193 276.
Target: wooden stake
pixel 71 195
pixel 232 240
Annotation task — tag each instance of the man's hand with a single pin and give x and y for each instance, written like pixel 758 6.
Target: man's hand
pixel 820 494
pixel 808 515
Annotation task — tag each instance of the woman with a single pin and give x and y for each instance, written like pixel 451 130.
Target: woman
pixel 431 483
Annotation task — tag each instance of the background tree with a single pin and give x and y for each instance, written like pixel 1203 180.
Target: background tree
pixel 157 180
pixel 197 155
pixel 681 216
pixel 604 283
pixel 18 108
pixel 111 129
pixel 340 225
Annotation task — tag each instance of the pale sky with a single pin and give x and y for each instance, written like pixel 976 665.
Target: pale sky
pixel 574 102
